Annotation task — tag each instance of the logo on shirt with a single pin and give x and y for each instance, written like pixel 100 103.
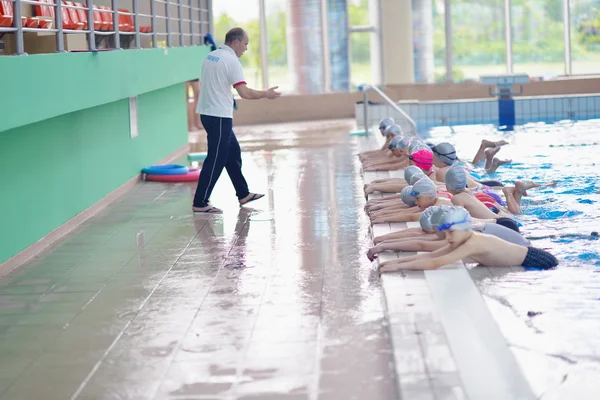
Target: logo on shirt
pixel 212 58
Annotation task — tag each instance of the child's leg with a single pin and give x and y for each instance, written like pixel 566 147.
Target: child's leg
pixel 496 162
pixel 480 155
pixel 513 199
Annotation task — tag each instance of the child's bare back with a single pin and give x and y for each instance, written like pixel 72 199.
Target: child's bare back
pixel 494 252
pixel 443 201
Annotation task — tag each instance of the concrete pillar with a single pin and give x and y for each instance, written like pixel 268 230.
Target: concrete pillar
pixel 423 41
pixel 392 46
pixel 337 19
pixel 305 46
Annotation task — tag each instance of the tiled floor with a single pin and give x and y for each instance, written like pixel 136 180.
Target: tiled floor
pixel 147 301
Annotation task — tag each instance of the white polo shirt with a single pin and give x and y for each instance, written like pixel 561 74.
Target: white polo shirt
pixel 220 71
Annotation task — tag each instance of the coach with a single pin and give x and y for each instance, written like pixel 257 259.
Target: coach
pixel 220 71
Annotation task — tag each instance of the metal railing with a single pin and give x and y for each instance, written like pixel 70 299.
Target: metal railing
pixel 187 20
pixel 366 89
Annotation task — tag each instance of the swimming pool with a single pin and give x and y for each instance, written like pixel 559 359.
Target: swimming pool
pixel 561 343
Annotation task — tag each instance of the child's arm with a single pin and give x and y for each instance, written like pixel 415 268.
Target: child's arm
pixel 408 244
pixel 443 251
pixel 385 187
pixel 388 180
pixel 397 217
pixel 425 237
pixel 389 166
pixel 428 261
pixel 390 209
pixel 392 205
pixel 385 199
pixel 405 233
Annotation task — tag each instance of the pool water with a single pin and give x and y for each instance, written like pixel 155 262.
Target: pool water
pixel 551 317
pixel 568 152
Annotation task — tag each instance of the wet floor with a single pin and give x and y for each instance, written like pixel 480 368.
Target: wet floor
pixel 147 301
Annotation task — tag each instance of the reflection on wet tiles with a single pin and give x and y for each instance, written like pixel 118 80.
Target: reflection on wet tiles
pixel 147 301
pixel 262 385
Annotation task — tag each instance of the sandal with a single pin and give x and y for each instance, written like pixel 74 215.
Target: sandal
pixel 255 196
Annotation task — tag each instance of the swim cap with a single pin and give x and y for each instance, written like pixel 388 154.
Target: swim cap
pixel 417 177
pixel 422 159
pixel 384 123
pixel 435 216
pixel 403 143
pixel 407 198
pixel 410 171
pixel 445 152
pixel 420 146
pixel 394 142
pixel 425 218
pixel 416 142
pixel 424 188
pixel 393 129
pixel 456 178
pixel 456 218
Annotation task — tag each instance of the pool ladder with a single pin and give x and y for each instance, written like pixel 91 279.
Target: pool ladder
pixel 368 88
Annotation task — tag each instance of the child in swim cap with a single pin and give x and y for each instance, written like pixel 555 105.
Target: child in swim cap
pixel 423 159
pixel 463 242
pixel 380 153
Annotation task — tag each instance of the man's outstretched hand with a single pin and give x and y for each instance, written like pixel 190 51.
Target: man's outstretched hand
pixel 272 94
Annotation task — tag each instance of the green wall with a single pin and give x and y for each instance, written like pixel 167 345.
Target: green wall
pixel 56 168
pixel 37 87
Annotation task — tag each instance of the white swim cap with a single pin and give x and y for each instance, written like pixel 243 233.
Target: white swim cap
pixel 437 214
pixel 415 143
pixel 456 218
pixel 387 121
pixel 394 129
pixel 456 178
pixel 407 198
pixel 403 143
pixel 410 171
pixel 394 142
pixel 424 188
pixel 425 218
pixel 417 177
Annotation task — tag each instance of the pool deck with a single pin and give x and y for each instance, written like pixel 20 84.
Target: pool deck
pixel 148 301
